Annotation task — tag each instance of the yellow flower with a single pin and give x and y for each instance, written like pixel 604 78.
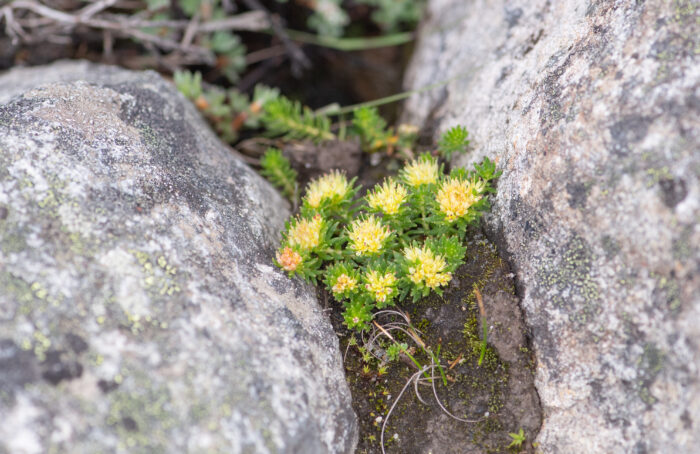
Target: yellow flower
pixel 306 233
pixel 426 267
pixel 367 235
pixel 381 286
pixel 412 253
pixel 421 171
pixel 327 187
pixel 344 283
pixel 456 196
pixel 388 198
pixel 289 259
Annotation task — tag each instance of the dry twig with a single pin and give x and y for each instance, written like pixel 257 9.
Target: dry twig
pixel 29 21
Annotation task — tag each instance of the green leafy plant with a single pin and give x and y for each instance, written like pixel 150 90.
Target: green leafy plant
pixel 230 52
pixel 391 14
pixel 231 111
pixel 328 18
pixel 518 439
pixel 228 111
pixel 371 128
pixel 375 136
pixel 277 169
pixel 293 121
pixel 453 140
pixel 404 238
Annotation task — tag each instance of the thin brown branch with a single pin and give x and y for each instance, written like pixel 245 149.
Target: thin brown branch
pixel 90 16
pixel 95 8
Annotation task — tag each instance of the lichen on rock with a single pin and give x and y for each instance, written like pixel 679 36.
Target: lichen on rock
pixel 591 110
pixel 138 309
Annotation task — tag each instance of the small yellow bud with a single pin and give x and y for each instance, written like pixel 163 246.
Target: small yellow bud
pixel 367 236
pixel 427 267
pixel 306 233
pixel 344 283
pixel 327 187
pixel 387 198
pixel 380 285
pixel 421 171
pixel 456 196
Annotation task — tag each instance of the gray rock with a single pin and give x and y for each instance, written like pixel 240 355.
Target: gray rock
pixel 592 110
pixel 139 308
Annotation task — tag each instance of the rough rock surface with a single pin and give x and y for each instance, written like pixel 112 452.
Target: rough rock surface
pixel 139 311
pixel 592 109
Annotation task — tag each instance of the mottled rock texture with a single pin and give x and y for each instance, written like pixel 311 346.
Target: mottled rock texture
pixel 592 110
pixel 139 309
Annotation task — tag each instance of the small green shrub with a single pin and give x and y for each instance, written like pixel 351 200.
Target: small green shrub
pixel 453 140
pixel 404 238
pixel 277 169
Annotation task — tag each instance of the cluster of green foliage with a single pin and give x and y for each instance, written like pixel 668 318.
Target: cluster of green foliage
pixel 404 238
pixel 391 15
pixel 375 136
pixel 454 140
pixel 287 118
pixel 330 17
pixel 518 439
pixel 229 111
pixel 227 46
pixel 278 171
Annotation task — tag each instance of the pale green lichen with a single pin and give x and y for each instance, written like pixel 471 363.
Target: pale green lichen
pixel 141 417
pixel 160 282
pixel 572 276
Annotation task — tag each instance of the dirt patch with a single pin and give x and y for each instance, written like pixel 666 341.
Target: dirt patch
pixel 499 394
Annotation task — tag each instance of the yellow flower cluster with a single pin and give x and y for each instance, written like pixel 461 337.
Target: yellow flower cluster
pixel 306 233
pixel 421 171
pixel 456 196
pixel 344 283
pixel 381 286
pixel 289 259
pixel 426 267
pixel 388 198
pixel 367 235
pixel 327 187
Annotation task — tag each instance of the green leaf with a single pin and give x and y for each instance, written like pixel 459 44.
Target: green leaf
pixel 453 140
pixel 372 130
pixel 278 170
pixel 285 117
pixel 518 439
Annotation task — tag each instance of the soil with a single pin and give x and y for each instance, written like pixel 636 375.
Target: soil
pixel 499 394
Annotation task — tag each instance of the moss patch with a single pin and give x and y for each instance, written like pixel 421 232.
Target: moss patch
pixel 499 394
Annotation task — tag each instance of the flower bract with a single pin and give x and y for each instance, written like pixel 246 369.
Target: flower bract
pixel 388 197
pixel 344 284
pixel 456 196
pixel 306 233
pixel 289 259
pixel 380 285
pixel 421 171
pixel 367 235
pixel 332 186
pixel 426 267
